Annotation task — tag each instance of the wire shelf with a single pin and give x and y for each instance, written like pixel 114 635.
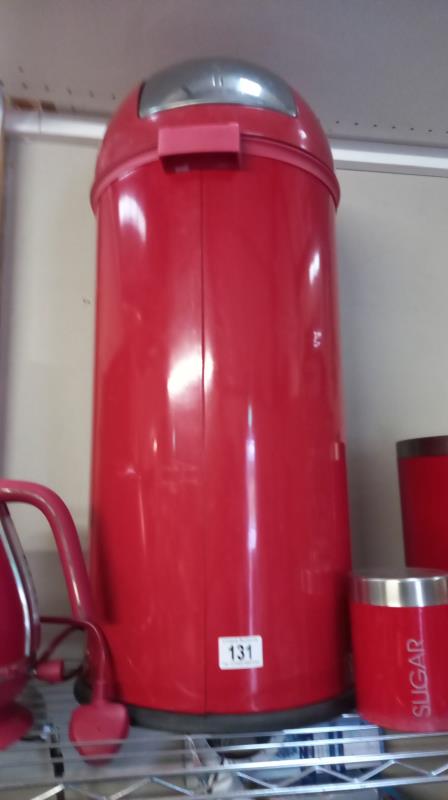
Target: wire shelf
pixel 345 756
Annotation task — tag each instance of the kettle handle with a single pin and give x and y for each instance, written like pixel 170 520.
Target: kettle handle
pixel 65 535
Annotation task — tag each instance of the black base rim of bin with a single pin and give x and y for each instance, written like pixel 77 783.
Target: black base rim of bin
pixel 231 723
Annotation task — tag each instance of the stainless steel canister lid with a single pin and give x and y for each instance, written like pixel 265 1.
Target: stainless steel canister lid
pixel 400 587
pixel 424 446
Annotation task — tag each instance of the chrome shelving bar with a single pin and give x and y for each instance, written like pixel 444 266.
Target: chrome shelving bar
pixel 345 757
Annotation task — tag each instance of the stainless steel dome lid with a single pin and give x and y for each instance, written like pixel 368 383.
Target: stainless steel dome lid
pixel 216 80
pixel 400 587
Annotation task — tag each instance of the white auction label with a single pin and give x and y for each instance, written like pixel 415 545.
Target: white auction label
pixel 240 652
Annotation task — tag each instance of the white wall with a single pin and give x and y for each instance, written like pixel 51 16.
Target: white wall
pixel 394 290
pixel 46 330
pixel 393 245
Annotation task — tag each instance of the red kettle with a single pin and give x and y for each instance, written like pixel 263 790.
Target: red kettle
pixel 20 628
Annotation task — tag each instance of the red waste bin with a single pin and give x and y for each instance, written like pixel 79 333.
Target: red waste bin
pixel 219 533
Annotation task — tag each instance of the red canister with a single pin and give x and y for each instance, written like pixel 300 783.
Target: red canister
pixel 423 475
pixel 400 648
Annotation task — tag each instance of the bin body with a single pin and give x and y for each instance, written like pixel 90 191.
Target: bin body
pixel 219 533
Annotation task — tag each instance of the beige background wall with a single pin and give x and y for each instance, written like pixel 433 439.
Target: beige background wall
pixel 393 284
pixel 46 337
pixel 393 260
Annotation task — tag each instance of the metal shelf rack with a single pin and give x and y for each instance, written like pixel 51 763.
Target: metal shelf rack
pixel 347 756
